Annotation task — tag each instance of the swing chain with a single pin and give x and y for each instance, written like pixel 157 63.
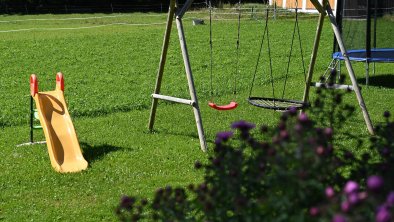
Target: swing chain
pixel 237 50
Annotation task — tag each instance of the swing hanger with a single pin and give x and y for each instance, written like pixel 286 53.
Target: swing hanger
pixel 232 105
pixel 274 103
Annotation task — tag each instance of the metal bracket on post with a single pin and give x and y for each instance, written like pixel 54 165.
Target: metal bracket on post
pixel 156 95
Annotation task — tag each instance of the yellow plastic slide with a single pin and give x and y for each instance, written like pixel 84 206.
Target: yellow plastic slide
pixel 63 146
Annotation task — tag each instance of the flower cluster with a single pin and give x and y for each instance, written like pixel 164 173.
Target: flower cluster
pixel 170 203
pixel 328 107
pixel 285 173
pixel 365 198
pixel 383 144
pixel 131 209
pixel 257 179
pixel 355 204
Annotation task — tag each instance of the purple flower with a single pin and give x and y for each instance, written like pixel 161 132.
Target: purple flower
pixel 375 183
pixel 284 134
pixel 314 211
pixel 203 187
pixel 385 151
pixel 383 215
pixel 144 202
pixel 351 187
pixel 362 195
pixel 216 162
pixel 390 199
pixel 345 206
pixel 292 111
pixel 353 198
pixel 264 129
pixel 333 72
pixel 275 140
pixel 223 136
pixel 320 150
pixel 303 118
pixel 127 202
pixel 381 207
pixel 349 155
pixel 243 125
pixel 330 192
pixel 197 165
pixel 298 128
pixel 386 114
pixel 329 149
pixel 282 126
pixel 284 117
pixel 328 132
pixel 338 218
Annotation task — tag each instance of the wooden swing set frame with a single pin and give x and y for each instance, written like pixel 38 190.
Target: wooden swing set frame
pixel 177 12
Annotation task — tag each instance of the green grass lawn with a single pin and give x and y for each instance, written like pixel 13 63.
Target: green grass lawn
pixel 110 64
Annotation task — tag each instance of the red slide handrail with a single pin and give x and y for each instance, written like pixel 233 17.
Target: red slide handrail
pixel 33 85
pixel 60 81
pixel 229 106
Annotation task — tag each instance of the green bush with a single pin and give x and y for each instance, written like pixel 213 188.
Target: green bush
pixel 286 173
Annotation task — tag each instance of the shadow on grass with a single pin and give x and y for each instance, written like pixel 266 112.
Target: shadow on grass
pixel 103 111
pixel 93 153
pixel 383 80
pixel 183 134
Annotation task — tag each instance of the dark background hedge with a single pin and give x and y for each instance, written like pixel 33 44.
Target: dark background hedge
pixel 92 6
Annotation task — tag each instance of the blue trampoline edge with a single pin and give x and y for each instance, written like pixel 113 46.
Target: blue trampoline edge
pixel 360 55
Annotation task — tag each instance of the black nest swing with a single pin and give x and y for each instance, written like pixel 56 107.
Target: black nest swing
pixel 274 103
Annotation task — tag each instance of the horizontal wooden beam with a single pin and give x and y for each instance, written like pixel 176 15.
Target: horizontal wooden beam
pixel 332 86
pixel 174 99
